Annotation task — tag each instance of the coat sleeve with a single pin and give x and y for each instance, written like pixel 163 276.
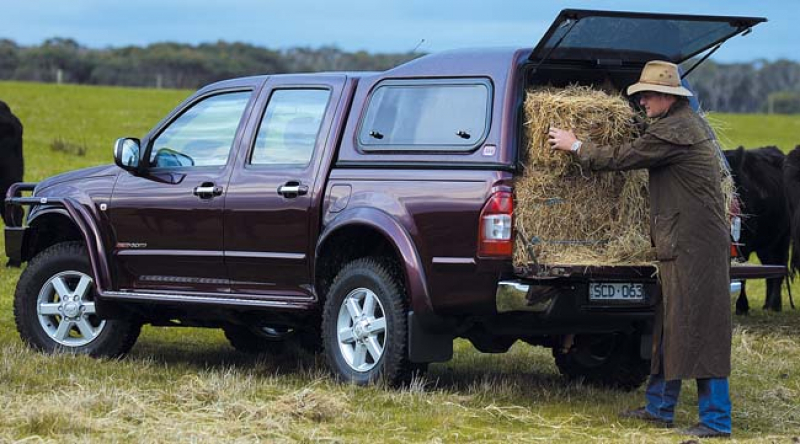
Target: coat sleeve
pixel 647 151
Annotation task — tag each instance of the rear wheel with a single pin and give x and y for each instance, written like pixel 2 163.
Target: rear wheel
pixel 365 331
pixel 54 307
pixel 609 360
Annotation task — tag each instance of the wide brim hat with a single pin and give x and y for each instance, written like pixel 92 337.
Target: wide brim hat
pixel 660 76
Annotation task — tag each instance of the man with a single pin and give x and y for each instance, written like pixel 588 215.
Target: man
pixel 689 228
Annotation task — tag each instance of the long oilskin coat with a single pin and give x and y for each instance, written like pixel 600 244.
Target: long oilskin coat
pixel 690 231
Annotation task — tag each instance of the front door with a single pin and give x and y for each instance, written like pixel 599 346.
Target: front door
pixel 271 209
pixel 168 220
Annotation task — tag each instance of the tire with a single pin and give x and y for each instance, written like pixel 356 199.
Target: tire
pixel 54 307
pixel 362 347
pixel 610 360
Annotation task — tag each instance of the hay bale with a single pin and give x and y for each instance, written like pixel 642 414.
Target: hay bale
pixel 564 214
pixel 568 216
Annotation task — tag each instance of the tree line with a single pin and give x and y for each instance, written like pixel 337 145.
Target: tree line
pixel 759 86
pixel 174 65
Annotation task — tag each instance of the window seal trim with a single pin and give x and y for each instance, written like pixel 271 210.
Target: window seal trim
pixel 422 149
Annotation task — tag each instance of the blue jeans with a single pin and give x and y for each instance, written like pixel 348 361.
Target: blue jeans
pixel 713 399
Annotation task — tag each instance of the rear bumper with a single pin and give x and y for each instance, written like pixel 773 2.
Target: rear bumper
pixel 748 271
pixel 515 296
pixel 564 298
pixel 736 288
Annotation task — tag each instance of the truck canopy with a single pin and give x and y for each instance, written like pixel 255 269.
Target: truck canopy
pixel 610 37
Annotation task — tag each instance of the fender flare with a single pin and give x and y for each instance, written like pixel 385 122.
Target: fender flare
pixel 398 237
pixel 86 223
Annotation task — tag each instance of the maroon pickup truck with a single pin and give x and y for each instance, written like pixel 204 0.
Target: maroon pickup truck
pixel 366 214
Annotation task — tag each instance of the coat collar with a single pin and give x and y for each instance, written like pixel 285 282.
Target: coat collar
pixel 677 108
pixel 679 126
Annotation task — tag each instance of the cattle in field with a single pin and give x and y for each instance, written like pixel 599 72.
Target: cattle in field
pixel 758 175
pixel 791 182
pixel 11 163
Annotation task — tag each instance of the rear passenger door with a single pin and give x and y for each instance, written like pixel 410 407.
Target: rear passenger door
pixel 273 198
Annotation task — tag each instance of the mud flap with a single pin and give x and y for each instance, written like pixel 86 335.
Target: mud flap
pixel 646 346
pixel 425 347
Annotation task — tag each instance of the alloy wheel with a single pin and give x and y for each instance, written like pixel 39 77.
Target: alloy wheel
pixel 66 309
pixel 361 329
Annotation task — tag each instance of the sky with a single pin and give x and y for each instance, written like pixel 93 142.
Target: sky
pixel 371 25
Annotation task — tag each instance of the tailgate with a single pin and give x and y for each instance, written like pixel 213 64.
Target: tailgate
pixel 559 271
pixel 591 272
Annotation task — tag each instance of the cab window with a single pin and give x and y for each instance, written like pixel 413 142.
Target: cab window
pixel 203 135
pixel 289 128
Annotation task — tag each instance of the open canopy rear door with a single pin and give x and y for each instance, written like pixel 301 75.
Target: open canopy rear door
pixel 630 37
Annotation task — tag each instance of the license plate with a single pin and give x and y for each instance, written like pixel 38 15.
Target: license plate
pixel 608 291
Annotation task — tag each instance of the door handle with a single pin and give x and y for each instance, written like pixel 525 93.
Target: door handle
pixel 207 191
pixel 292 189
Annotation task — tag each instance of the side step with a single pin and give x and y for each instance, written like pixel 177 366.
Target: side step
pixel 215 300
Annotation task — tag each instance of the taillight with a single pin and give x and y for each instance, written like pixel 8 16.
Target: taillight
pixel 736 227
pixel 496 226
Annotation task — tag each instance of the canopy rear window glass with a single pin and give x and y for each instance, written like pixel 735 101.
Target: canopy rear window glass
pixel 426 116
pixel 635 37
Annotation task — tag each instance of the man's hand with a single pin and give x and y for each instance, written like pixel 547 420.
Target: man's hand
pixel 561 139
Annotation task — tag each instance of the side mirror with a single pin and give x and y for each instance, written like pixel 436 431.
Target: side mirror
pixel 127 153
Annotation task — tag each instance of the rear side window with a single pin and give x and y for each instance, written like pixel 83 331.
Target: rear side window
pixel 288 131
pixel 427 115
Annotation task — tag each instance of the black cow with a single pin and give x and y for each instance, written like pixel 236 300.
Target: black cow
pixel 11 163
pixel 758 175
pixel 791 182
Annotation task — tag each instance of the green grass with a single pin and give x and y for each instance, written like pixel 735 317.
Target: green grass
pixel 755 130
pixel 189 385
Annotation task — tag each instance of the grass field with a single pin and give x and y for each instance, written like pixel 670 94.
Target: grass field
pixel 189 385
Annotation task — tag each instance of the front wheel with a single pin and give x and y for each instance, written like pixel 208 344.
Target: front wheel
pixel 611 360
pixel 54 307
pixel 365 331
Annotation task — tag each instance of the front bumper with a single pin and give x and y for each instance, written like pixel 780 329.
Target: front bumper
pixel 14 238
pixel 15 230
